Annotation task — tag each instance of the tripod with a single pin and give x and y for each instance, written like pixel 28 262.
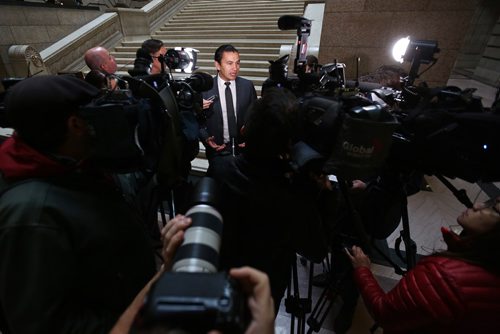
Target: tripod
pixel 296 305
pixel 336 284
pixel 341 284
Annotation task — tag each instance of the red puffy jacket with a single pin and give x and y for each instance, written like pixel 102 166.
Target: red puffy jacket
pixel 440 295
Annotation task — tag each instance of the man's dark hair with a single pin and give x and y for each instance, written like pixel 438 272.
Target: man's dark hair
pixel 272 124
pixel 39 107
pixel 223 48
pixel 152 45
pixel 311 60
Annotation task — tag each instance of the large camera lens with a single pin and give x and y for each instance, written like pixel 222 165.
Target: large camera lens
pixel 200 250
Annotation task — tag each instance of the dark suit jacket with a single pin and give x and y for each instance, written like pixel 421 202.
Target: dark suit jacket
pixel 245 95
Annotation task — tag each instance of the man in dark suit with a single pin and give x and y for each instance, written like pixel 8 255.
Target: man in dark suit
pixel 227 103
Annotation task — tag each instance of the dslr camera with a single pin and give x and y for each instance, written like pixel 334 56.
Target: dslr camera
pixel 195 297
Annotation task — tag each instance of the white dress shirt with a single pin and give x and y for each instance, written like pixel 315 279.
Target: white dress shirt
pixel 222 96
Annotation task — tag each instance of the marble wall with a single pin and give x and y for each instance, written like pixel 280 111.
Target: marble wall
pixel 368 29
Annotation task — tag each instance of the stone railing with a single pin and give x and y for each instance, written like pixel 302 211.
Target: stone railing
pixel 67 53
pixel 108 29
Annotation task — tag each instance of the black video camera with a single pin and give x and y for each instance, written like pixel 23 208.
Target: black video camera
pixel 444 130
pixel 194 297
pixel 126 131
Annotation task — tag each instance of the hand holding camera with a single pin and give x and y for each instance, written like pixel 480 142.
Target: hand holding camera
pixel 256 285
pixel 172 236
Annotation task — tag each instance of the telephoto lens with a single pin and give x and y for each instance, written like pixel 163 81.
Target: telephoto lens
pixel 200 250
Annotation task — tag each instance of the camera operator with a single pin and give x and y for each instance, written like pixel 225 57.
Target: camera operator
pixel 254 282
pixel 157 50
pixel 312 64
pixel 260 208
pixel 99 59
pixel 452 291
pixel 73 253
pixel 149 58
pixel 102 67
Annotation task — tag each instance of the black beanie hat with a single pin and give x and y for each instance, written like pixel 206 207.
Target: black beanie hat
pixel 38 107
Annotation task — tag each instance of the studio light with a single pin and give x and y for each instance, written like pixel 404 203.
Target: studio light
pixel 417 52
pixel 399 49
pixel 182 59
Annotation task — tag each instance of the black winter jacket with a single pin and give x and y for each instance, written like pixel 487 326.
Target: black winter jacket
pixel 73 255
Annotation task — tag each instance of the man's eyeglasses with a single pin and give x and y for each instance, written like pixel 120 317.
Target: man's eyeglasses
pixel 492 204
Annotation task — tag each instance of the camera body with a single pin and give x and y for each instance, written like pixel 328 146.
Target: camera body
pixel 196 303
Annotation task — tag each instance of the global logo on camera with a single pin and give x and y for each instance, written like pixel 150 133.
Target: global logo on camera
pixel 358 151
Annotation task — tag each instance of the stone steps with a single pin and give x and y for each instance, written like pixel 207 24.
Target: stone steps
pixel 255 66
pixel 206 48
pixel 168 35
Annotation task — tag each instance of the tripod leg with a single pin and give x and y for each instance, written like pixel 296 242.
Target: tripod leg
pixel 349 293
pixel 410 246
pixel 324 304
pixel 294 304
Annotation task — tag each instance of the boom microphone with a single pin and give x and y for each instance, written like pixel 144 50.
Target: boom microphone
pixel 288 22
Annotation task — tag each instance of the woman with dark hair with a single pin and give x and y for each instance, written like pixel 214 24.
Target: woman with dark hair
pixel 148 58
pixel 453 291
pixel 156 50
pixel 142 63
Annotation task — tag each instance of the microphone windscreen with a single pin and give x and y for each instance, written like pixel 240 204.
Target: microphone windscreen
pixel 201 81
pixel 288 22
